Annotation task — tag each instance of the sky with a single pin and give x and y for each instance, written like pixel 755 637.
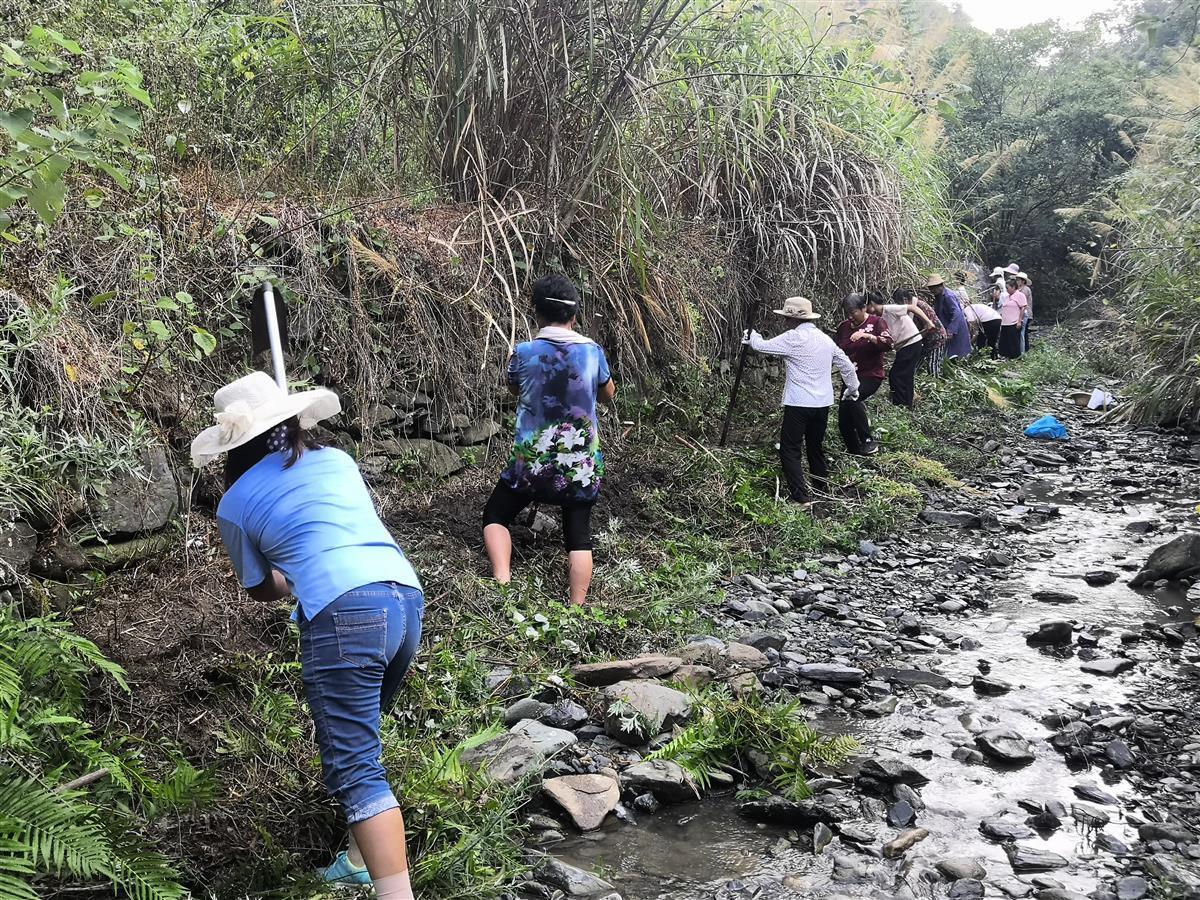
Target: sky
pixel 991 15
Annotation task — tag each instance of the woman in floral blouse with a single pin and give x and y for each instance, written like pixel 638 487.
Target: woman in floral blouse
pixel 556 458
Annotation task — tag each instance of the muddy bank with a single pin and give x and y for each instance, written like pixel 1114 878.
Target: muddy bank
pixel 1026 715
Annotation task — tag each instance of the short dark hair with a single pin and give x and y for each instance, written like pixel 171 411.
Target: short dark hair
pixel 240 460
pixel 555 299
pixel 854 302
pixel 875 297
pixel 903 296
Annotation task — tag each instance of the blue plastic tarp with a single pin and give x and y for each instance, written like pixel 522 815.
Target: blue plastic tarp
pixel 1048 428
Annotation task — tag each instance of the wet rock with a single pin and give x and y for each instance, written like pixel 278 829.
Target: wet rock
pixel 1094 794
pixel 1005 745
pixel 1089 816
pixel 566 714
pixel 1175 560
pixel 912 677
pixel 892 770
pixel 1099 578
pixel 822 835
pixel 602 674
pixel 899 845
pixel 1056 597
pixel 1110 666
pixel 957 868
pixel 572 881
pixel 587 799
pixel 1119 754
pixel 990 687
pixel 744 658
pixel 751 610
pixel 1076 734
pixel 901 814
pixel 1173 874
pixel 1165 831
pixel 1059 893
pixel 834 673
pixel 965 889
pixel 1110 844
pixel 800 813
pixel 857 834
pixel 638 710
pixel 546 741
pixel 666 780
pixel 997 829
pixel 884 707
pixel 131 502
pixel 1132 887
pixel 1054 633
pixel 506 758
pixel 646 803
pixel 952 606
pixel 952 518
pixel 1025 859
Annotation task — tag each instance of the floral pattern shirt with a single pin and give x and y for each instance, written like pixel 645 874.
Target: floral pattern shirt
pixel 556 453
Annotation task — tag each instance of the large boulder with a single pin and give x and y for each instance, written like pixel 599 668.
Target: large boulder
pixel 587 799
pixel 18 542
pixel 602 674
pixel 638 710
pixel 145 499
pixel 1175 559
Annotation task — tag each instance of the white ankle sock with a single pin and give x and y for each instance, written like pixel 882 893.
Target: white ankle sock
pixel 394 887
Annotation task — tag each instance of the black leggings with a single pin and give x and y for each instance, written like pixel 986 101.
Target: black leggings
pixel 506 504
pixel 904 372
pixel 853 422
pixel 989 335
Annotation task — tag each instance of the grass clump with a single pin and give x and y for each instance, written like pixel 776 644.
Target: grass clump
pixel 727 730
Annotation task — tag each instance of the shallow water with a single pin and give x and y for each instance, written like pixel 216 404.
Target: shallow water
pixel 705 849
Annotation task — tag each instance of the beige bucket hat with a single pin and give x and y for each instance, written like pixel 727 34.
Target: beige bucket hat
pixel 253 405
pixel 798 308
pixel 934 280
pixel 1027 279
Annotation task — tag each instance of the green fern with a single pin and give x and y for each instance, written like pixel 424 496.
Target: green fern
pixel 726 727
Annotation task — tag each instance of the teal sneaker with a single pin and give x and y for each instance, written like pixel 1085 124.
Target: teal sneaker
pixel 342 871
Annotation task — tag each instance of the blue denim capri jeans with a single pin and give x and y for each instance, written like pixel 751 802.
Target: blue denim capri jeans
pixel 353 656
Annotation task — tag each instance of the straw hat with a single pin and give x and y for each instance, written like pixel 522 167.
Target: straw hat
pixel 934 280
pixel 798 308
pixel 1028 280
pixel 253 405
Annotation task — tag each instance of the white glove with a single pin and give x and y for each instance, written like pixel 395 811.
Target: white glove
pixel 746 336
pixel 851 395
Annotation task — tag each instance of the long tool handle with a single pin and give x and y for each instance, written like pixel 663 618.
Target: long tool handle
pixel 737 383
pixel 273 332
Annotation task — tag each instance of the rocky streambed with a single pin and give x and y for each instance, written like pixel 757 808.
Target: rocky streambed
pixel 1028 717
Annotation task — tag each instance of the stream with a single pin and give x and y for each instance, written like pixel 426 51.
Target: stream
pixel 1114 499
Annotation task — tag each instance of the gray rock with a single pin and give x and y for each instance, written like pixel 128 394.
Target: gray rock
pixel 1173 873
pixel 834 673
pixel 1099 578
pixel 1055 633
pixel 432 457
pixel 1111 844
pixel 892 770
pixel 572 881
pixel 990 687
pixel 965 889
pixel 997 829
pixel 638 710
pixel 1174 560
pixel 1089 816
pixel 1005 745
pixel 479 432
pixel 1091 792
pixel 664 779
pixel 525 708
pixel 741 657
pixel 132 502
pixel 564 714
pixel 695 676
pixel 1165 831
pixel 1119 754
pixel 901 814
pixel 952 518
pixel 546 740
pixel 602 674
pixel 1132 887
pixel 764 640
pixel 506 758
pixel 822 835
pixel 956 868
pixel 800 813
pixel 912 677
pixel 884 707
pixel 587 799
pixel 1055 597
pixel 18 543
pixel 1025 859
pixel 1111 666
pixel 1060 893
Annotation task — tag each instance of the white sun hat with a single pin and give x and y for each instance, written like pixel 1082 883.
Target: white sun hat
pixel 1012 269
pixel 798 308
pixel 999 270
pixel 253 405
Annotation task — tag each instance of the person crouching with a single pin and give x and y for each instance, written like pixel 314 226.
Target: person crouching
pixel 809 356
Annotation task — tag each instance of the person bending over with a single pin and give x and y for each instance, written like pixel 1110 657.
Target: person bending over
pixel 906 337
pixel 558 378
pixel 809 356
pixel 296 519
pixel 865 339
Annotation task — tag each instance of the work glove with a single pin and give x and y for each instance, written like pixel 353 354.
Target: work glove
pixel 746 336
pixel 850 395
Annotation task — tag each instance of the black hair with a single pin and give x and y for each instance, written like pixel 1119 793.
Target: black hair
pixel 555 299
pixel 854 302
pixel 875 297
pixel 903 296
pixel 1011 279
pixel 240 460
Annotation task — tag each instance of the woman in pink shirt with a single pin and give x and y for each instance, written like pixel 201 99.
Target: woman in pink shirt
pixel 1012 317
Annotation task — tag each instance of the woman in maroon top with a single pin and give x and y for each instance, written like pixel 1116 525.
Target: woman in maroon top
pixel 865 339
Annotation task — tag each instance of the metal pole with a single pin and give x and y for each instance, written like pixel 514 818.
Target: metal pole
pixel 273 334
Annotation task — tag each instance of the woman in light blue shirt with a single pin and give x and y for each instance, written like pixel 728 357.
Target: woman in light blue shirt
pixel 296 519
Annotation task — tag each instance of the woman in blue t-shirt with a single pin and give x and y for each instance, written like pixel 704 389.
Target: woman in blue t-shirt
pixel 296 519
pixel 556 459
